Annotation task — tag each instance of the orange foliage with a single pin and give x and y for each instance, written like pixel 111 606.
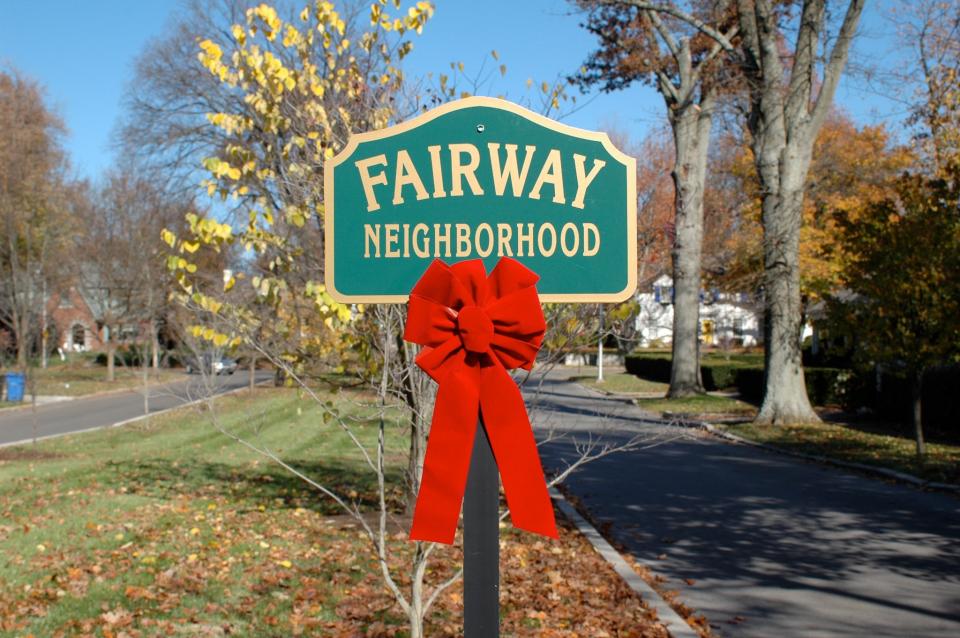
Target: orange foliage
pixel 851 167
pixel 655 207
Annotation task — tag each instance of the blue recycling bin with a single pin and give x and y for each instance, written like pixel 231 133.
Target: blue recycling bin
pixel 14 383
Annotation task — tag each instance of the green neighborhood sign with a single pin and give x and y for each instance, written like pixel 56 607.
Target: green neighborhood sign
pixel 481 177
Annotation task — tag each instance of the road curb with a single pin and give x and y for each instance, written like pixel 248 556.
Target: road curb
pixel 674 623
pixel 140 417
pixel 901 477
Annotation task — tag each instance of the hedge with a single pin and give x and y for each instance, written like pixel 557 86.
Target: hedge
pixel 743 373
pixel 891 396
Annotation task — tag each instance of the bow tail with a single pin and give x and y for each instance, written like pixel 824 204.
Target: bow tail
pixel 515 449
pixel 447 461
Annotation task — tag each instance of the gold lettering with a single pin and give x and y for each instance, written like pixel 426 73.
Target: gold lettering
pixel 588 230
pixel 463 240
pixel 504 233
pixel 421 250
pixel 407 175
pixel 509 171
pixel 552 173
pixel 406 240
pixel 438 238
pixel 437 168
pixel 584 182
pixel 485 227
pixel 369 181
pixel 391 234
pixel 524 238
pixel 568 251
pixel 371 234
pixel 553 240
pixel 458 170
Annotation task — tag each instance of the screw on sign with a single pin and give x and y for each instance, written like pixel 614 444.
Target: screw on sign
pixel 530 210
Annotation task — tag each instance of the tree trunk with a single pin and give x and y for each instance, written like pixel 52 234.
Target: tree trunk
pixel 145 377
pixel 691 132
pixel 154 347
pixel 785 116
pixel 785 398
pixel 22 345
pixel 111 355
pixel 918 413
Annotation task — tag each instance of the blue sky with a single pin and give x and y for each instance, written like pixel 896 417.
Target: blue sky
pixel 83 53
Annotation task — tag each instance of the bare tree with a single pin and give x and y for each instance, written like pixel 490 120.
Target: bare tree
pixel 930 30
pixel 647 41
pixel 788 105
pixel 789 97
pixel 123 269
pixel 34 207
pixel 401 386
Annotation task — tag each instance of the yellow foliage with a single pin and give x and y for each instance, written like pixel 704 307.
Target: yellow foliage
pixel 300 94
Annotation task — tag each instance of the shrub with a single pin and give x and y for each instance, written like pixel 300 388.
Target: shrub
pixel 742 373
pixel 130 356
pixel 890 397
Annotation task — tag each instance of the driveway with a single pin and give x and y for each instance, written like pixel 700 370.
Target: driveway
pixel 22 424
pixel 763 544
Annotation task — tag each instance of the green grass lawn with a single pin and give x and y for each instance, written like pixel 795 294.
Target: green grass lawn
pixel 169 523
pixel 88 378
pixel 167 527
pixel 859 445
pixel 703 405
pixel 618 382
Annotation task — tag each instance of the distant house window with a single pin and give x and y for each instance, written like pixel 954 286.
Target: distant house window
pixel 738 327
pixel 65 300
pixel 79 336
pixel 663 294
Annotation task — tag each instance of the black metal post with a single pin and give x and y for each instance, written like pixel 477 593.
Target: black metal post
pixel 481 543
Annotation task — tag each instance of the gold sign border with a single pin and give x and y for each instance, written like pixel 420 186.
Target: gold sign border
pixel 503 105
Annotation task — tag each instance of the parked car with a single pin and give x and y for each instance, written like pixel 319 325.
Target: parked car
pixel 211 364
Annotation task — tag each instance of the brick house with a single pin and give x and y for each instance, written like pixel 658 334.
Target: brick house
pixel 72 322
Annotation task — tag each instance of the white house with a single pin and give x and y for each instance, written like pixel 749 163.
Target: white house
pixel 725 318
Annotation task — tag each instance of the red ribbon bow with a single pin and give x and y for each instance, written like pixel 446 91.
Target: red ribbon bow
pixel 473 329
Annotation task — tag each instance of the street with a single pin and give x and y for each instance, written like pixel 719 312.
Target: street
pixel 21 424
pixel 764 544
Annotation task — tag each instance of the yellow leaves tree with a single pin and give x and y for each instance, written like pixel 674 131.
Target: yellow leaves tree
pixel 301 88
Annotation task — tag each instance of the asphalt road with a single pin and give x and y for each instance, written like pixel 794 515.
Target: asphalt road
pixel 22 424
pixel 764 545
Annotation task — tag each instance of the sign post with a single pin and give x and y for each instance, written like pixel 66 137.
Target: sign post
pixel 481 543
pixel 546 209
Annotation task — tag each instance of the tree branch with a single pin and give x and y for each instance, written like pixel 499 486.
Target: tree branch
pixel 670 10
pixel 838 59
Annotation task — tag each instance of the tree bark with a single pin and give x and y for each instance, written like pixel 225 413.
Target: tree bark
pixel 785 117
pixel 22 345
pixel 785 398
pixel 691 131
pixel 918 413
pixel 154 347
pixel 111 355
